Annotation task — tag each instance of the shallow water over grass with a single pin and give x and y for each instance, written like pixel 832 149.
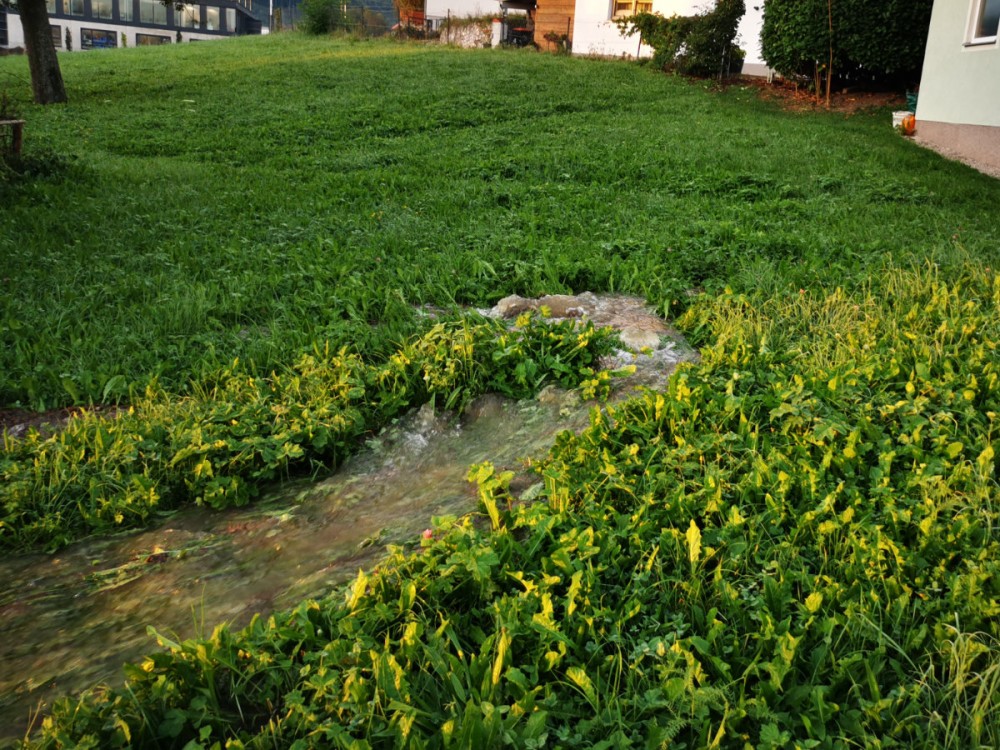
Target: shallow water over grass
pixel 72 619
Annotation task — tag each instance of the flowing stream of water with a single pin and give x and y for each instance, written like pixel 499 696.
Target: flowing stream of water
pixel 71 620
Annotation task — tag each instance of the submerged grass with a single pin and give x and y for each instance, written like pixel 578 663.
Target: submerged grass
pixel 793 545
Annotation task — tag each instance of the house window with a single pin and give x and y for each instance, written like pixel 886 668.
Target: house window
pixel 50 6
pixel 191 17
pixel 985 20
pixel 211 18
pixel 97 38
pixel 73 7
pixel 626 8
pixel 101 8
pixel 57 36
pixel 143 40
pixel 231 19
pixel 125 10
pixel 152 11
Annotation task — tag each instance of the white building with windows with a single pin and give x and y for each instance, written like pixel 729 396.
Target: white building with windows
pixel 100 24
pixel 958 108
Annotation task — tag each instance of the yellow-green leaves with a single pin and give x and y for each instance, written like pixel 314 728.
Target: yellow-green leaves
pixel 491 487
pixel 693 537
pixel 216 446
pixel 814 601
pixel 357 591
pixel 582 681
pixel 985 461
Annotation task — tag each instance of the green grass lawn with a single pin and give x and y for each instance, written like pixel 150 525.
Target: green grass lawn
pixel 249 198
pixel 794 545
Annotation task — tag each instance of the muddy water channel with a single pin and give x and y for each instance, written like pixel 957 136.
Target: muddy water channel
pixel 71 620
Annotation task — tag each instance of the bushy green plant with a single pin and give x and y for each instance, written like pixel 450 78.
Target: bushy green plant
pixel 699 45
pixel 322 16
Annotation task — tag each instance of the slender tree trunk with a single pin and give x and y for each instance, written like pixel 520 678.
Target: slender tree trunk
pixel 46 78
pixel 829 68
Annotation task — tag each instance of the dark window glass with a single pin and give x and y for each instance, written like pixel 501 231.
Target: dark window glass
pixel 143 39
pixel 98 38
pixel 989 19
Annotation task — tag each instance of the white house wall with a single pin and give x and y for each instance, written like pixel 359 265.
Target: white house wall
pixel 462 8
pixel 15 34
pixel 958 109
pixel 959 82
pixel 594 33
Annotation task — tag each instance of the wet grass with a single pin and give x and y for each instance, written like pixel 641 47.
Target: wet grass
pixel 270 193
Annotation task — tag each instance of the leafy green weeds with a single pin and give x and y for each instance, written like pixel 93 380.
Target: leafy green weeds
pixel 237 431
pixel 794 543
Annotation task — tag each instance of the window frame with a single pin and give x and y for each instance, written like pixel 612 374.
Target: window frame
pixel 633 8
pixel 154 11
pixel 105 38
pixel 106 6
pixel 975 19
pixel 189 16
pixel 143 40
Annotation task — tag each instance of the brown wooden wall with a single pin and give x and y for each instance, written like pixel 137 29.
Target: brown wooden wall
pixel 554 16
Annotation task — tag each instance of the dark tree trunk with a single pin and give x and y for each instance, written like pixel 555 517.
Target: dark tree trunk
pixel 46 79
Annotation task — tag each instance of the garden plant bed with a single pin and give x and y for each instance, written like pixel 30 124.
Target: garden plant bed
pixel 798 98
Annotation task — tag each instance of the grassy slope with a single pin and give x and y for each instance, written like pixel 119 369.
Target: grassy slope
pixel 267 193
pixel 792 546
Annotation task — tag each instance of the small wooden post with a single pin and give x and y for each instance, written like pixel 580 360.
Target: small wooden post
pixel 16 135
